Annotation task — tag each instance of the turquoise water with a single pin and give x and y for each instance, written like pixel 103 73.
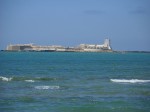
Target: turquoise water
pixel 74 82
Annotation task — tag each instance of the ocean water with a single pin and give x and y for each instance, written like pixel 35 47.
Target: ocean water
pixel 74 82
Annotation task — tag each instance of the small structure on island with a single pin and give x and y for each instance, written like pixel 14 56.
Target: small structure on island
pixel 96 47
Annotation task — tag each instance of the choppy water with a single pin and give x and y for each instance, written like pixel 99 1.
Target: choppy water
pixel 74 82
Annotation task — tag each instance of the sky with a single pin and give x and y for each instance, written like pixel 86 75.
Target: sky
pixel 72 22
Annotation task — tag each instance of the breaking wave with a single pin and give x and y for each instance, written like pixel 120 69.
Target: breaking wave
pixel 129 80
pixel 5 78
pixel 47 87
pixel 29 80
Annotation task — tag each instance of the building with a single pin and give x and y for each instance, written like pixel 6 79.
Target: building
pixel 19 47
pixel 96 47
pixel 30 47
pixel 105 47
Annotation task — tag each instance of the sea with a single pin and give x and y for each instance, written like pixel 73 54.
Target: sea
pixel 74 82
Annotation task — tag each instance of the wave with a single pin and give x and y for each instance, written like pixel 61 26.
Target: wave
pixel 45 78
pixel 47 87
pixel 129 80
pixel 5 78
pixel 29 80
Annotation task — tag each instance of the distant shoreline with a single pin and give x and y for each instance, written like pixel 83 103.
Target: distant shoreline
pixel 132 51
pixel 83 51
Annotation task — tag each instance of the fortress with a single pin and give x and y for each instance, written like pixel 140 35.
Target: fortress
pixel 105 47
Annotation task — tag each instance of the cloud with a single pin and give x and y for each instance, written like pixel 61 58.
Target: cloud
pixel 93 12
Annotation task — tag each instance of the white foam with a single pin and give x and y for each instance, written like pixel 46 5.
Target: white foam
pixel 47 87
pixel 129 80
pixel 5 78
pixel 29 80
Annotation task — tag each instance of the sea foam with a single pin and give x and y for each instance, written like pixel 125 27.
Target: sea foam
pixel 29 80
pixel 129 80
pixel 5 78
pixel 47 87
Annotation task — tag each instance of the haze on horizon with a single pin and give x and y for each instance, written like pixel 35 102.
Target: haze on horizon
pixel 72 22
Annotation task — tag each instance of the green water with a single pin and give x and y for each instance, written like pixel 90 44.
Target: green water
pixel 74 82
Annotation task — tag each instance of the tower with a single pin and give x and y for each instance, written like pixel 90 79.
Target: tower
pixel 107 44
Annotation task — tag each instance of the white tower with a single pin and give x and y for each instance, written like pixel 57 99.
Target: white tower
pixel 107 44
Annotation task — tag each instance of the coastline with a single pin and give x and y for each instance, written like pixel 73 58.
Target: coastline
pixel 111 51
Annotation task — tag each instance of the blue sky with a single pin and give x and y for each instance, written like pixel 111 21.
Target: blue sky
pixel 72 22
